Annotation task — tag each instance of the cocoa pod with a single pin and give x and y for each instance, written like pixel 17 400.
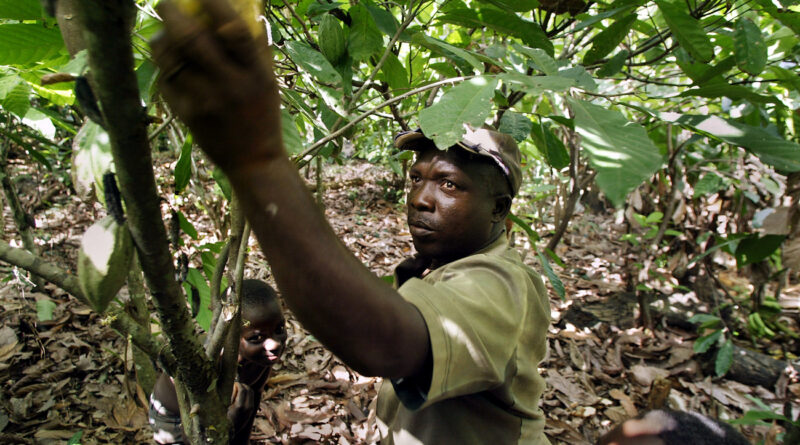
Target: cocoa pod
pixel 249 11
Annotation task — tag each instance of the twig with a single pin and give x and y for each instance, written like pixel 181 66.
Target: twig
pixel 300 160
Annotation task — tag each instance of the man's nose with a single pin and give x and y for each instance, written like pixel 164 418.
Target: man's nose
pixel 421 197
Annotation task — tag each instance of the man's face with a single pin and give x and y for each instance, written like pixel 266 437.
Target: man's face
pixel 450 205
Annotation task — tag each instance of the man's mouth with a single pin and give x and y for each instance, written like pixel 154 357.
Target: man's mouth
pixel 419 228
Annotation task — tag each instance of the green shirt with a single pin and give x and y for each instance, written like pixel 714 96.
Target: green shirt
pixel 487 316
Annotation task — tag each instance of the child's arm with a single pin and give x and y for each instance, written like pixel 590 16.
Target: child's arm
pixel 242 413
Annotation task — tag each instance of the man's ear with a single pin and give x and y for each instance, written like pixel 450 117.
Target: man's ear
pixel 502 206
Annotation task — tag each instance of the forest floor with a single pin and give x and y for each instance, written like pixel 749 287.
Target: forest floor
pixel 70 379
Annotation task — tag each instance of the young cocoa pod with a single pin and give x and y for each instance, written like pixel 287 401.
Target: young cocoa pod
pixel 249 10
pixel 104 261
pixel 331 39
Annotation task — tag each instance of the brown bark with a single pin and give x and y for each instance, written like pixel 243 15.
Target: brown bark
pixel 106 27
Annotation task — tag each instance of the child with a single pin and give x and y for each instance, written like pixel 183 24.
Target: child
pixel 261 344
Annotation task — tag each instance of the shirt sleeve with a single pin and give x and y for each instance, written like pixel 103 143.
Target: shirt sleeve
pixel 474 312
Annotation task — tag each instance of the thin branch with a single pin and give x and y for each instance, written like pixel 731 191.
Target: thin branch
pixel 300 160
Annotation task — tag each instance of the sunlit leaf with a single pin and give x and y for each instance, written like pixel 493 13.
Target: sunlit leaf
pixel 517 125
pixel 686 30
pixel 22 43
pixel 21 9
pixel 314 62
pixel 724 359
pixel 467 103
pixel 618 149
pixel 749 47
pixel 365 37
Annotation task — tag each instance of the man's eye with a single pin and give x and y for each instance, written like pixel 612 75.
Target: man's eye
pixel 450 185
pixel 414 178
pixel 279 330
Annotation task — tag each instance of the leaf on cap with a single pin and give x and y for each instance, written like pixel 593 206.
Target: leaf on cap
pixel 467 103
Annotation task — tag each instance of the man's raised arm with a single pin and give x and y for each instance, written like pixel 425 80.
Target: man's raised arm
pixel 220 82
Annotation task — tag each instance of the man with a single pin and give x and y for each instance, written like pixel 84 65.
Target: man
pixel 460 345
pixel 667 427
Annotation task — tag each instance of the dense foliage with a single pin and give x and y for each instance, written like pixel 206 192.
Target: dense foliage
pixel 683 115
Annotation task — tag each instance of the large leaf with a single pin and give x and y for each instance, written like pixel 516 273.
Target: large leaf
pixel 753 248
pixel 605 42
pixel 291 137
pixel 686 30
pixel 92 158
pixel 749 47
pixel 502 21
pixel 515 124
pixel 365 37
pixel 183 168
pixel 723 89
pixel 554 151
pixel 395 74
pixel 467 56
pixel 535 85
pixel 540 58
pixel 18 100
pixel 467 103
pixel 514 5
pixel 21 9
pixel 314 62
pixel 22 43
pixel 619 150
pixel 778 152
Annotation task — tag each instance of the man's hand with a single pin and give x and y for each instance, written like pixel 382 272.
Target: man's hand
pixel 219 80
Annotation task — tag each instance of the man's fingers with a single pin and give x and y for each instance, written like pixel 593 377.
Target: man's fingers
pixel 233 30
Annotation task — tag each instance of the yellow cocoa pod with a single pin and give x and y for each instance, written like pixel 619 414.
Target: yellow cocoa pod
pixel 249 10
pixel 104 261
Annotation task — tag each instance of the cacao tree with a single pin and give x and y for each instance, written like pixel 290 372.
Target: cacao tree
pixel 659 107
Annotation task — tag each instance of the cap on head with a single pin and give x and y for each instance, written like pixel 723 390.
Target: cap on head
pixel 484 141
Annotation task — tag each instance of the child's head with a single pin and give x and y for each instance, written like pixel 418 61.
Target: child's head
pixel 263 332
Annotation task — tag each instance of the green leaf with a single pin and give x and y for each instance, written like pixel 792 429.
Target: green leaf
pixel 780 153
pixel 395 74
pixel 686 30
pixel 385 21
pixel 708 184
pixel 619 150
pixel 614 64
pixel 365 37
pixel 705 319
pixel 92 159
pixel 21 9
pixel 22 43
pixel 754 248
pixel 749 47
pixel 554 151
pixel 195 278
pixel 605 42
pixel 76 438
pixel 222 182
pixel 183 168
pixel 291 137
pixel 534 237
pixel 517 125
pixel 601 16
pixel 514 5
pixel 757 417
pixel 44 309
pixel 540 58
pixel 501 21
pixel 582 78
pixel 703 344
pixel 558 286
pixel 18 100
pixel 536 85
pixel 470 58
pixel 724 359
pixel 723 89
pixel 186 226
pixel 467 103
pixel 8 83
pixel 313 62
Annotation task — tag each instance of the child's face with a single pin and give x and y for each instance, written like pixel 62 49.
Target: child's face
pixel 263 338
